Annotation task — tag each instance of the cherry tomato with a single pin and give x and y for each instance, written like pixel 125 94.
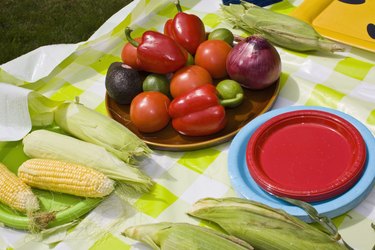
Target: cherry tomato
pixel 149 111
pixel 129 55
pixel 212 55
pixel 188 78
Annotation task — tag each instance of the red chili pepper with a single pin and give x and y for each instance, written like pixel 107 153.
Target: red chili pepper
pixel 187 29
pixel 198 113
pixel 158 53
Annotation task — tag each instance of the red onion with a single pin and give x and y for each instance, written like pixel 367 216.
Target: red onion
pixel 254 63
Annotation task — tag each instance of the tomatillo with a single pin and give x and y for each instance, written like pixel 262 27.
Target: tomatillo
pixel 156 82
pixel 230 93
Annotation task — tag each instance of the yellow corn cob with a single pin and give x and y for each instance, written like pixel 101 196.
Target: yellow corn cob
pixel 46 144
pixel 65 177
pixel 15 193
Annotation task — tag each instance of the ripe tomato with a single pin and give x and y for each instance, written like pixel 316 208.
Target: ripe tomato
pixel 149 111
pixel 212 55
pixel 129 55
pixel 188 78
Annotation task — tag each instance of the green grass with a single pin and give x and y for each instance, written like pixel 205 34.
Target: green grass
pixel 28 24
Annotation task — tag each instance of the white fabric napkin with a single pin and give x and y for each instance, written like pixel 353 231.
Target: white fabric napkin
pixel 15 121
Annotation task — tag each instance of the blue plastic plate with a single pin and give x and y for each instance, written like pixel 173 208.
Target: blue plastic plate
pixel 246 187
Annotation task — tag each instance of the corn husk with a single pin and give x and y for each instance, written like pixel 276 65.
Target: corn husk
pixel 279 29
pixel 262 226
pixel 183 236
pixel 94 127
pixel 41 109
pixel 47 144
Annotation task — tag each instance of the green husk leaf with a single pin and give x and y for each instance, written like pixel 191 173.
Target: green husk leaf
pixel 183 236
pixel 279 29
pixel 262 226
pixel 94 127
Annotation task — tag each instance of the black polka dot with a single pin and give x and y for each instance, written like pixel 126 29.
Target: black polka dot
pixel 353 1
pixel 371 30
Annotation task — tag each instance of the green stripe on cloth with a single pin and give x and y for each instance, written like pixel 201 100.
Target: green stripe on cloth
pixel 101 65
pixel 109 241
pixel 8 78
pixel 371 118
pixel 121 27
pixel 155 202
pixel 51 84
pixel 324 96
pixel 283 78
pixel 211 20
pixel 283 7
pixel 199 160
pixel 296 53
pixel 67 92
pixel 353 67
pixel 67 61
pixel 102 108
pixel 339 220
pixel 169 11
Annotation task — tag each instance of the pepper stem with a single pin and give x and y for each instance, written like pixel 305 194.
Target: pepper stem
pixel 129 38
pixel 232 102
pixel 178 5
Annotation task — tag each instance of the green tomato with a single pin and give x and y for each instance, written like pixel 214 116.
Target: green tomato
pixel 230 92
pixel 156 82
pixel 222 34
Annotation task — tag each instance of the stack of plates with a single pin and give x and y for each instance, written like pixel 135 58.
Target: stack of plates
pixel 314 154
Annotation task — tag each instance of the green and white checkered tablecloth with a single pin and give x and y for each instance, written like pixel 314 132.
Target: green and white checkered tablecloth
pixel 344 81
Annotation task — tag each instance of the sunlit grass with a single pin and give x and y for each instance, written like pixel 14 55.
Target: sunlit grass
pixel 28 24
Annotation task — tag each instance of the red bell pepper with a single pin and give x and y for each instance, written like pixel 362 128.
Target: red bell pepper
pixel 158 53
pixel 187 29
pixel 198 112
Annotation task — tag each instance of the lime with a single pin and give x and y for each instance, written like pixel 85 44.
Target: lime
pixel 222 34
pixel 156 82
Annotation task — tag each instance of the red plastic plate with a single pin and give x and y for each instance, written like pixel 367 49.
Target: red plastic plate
pixel 309 155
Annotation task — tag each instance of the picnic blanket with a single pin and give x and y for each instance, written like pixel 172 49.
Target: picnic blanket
pixel 343 81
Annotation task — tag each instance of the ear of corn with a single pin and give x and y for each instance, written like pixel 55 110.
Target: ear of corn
pixel 65 177
pixel 91 126
pixel 262 226
pixel 183 236
pixel 279 29
pixel 15 193
pixel 51 145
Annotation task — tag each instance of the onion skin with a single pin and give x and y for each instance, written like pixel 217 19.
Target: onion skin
pixel 254 63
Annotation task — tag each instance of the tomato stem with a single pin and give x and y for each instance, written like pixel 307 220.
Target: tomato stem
pixel 129 38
